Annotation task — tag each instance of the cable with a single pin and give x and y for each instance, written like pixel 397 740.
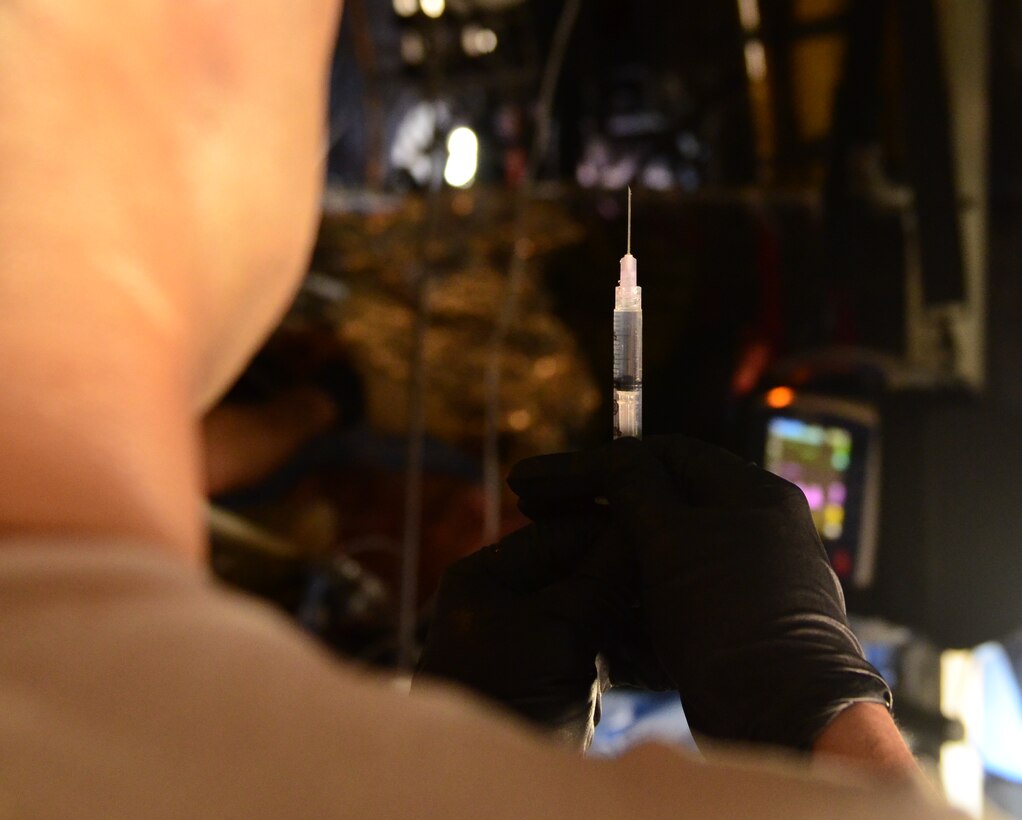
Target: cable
pixel 516 274
pixel 411 539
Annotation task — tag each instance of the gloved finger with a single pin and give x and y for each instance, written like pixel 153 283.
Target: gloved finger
pixel 538 508
pixel 539 554
pixel 642 495
pixel 630 657
pixel 706 474
pixel 596 594
pixel 559 477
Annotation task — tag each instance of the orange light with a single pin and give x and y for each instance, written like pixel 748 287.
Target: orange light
pixel 780 397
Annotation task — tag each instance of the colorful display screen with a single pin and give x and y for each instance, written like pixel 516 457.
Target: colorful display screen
pixel 817 458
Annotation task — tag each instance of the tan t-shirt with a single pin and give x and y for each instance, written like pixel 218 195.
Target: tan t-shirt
pixel 130 686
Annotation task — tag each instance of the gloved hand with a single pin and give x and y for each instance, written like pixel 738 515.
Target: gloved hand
pixel 742 609
pixel 522 621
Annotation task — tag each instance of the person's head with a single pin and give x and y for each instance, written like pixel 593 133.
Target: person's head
pixel 256 166
pixel 175 148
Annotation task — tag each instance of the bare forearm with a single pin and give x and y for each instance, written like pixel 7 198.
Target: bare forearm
pixel 866 735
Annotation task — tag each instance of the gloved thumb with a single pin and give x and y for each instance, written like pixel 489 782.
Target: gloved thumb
pixel 538 555
pixel 598 591
pixel 557 483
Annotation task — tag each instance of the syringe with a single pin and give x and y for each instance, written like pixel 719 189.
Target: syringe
pixel 628 345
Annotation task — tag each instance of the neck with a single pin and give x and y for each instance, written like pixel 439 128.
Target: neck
pixel 97 433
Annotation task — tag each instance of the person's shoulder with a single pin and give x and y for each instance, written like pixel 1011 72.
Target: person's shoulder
pixel 133 685
pixel 125 599
pixel 138 678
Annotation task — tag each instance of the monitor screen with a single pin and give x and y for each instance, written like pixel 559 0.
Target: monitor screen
pixel 830 447
pixel 816 458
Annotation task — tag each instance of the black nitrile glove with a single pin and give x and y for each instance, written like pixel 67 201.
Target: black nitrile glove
pixel 521 622
pixel 741 606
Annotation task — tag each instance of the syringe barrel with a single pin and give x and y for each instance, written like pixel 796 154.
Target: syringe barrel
pixel 628 373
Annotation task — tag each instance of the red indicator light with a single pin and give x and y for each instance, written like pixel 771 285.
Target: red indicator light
pixel 842 563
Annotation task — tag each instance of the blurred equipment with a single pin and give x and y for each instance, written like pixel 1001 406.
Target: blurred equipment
pixel 451 85
pixel 881 107
pixel 628 345
pixel 547 392
pixel 912 487
pixel 330 594
pixel 517 265
pixel 830 448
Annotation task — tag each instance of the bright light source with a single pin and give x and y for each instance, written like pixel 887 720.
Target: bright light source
pixel 519 420
pixel 413 48
pixel 755 61
pixel 658 176
pixel 486 41
pixel 478 41
pixel 780 397
pixel 406 8
pixel 961 697
pixel 462 157
pixel 432 8
pixel 748 12
pixel 411 149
